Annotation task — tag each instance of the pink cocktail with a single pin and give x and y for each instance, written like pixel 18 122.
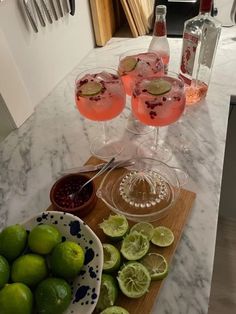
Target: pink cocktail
pixel 158 102
pixel 100 96
pixel 134 67
pixel 158 110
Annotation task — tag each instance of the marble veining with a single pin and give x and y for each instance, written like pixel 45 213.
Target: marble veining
pixel 56 137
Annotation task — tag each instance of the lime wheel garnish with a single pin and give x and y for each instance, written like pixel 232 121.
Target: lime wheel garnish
pixel 158 87
pixel 90 89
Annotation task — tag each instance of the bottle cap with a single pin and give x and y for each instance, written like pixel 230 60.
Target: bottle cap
pixel 160 9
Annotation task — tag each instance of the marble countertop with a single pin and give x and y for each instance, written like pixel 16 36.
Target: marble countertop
pixel 56 137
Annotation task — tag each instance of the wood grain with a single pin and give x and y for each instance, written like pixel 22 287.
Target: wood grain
pixel 103 20
pixel 175 221
pixel 129 17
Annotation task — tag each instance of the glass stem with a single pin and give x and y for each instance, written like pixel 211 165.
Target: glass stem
pixel 156 137
pixel 105 132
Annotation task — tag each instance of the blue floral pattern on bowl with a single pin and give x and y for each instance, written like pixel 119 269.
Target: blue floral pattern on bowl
pixel 86 286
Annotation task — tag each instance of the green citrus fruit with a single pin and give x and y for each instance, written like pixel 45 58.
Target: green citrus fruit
pixel 134 246
pixel 115 227
pixel 134 279
pixel 143 227
pixel 4 271
pixel 52 295
pixel 162 236
pixel 90 89
pixel 156 264
pixel 108 292
pixel 43 238
pixel 111 258
pixel 16 298
pixel 67 259
pixel 12 241
pixel 29 269
pixel 115 310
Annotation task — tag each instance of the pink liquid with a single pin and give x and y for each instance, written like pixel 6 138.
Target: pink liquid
pixel 106 105
pixel 148 64
pixel 158 110
pixel 166 60
pixel 195 92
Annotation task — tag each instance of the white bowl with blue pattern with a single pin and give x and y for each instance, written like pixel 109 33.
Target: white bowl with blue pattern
pixel 86 286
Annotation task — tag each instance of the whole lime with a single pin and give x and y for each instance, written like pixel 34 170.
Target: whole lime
pixel 12 241
pixel 43 238
pixel 29 269
pixel 52 295
pixel 4 271
pixel 16 298
pixel 67 260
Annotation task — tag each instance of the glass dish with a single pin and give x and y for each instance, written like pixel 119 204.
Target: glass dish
pixel 145 191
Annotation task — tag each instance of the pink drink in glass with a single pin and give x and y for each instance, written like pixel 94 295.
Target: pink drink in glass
pixel 144 64
pixel 103 103
pixel 158 110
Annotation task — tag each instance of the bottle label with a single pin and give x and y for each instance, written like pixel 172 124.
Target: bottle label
pixel 190 43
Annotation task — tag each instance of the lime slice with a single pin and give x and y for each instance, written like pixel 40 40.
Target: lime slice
pixel 134 280
pixel 90 89
pixel 134 246
pixel 158 87
pixel 162 236
pixel 115 310
pixel 108 292
pixel 145 228
pixel 116 226
pixel 111 258
pixel 156 264
pixel 128 64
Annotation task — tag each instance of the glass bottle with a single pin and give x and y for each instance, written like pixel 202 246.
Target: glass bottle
pixel 200 39
pixel 159 40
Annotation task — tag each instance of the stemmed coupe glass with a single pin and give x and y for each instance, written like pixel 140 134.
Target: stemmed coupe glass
pixel 100 96
pixel 134 65
pixel 158 102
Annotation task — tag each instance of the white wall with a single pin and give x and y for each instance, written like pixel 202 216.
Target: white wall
pixel 43 59
pixel 224 8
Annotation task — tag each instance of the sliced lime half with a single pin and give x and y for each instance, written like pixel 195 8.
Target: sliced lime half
pixel 134 279
pixel 134 246
pixel 115 310
pixel 111 258
pixel 115 226
pixel 162 236
pixel 108 292
pixel 128 64
pixel 143 227
pixel 90 89
pixel 158 87
pixel 156 264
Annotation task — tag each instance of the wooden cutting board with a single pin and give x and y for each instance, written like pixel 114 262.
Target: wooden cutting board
pixel 175 221
pixel 103 20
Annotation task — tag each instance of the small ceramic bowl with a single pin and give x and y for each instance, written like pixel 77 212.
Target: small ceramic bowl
pixel 86 286
pixel 68 184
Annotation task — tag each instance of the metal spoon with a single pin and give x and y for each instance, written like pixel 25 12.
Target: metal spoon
pixel 103 169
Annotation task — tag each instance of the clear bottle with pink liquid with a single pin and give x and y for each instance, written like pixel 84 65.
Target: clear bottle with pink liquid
pixel 159 40
pixel 200 39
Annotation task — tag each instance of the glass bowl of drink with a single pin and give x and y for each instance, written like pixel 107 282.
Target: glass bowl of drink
pixel 100 96
pixel 145 191
pixel 135 65
pixel 158 102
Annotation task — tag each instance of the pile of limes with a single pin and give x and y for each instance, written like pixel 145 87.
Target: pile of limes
pixel 35 268
pixel 129 265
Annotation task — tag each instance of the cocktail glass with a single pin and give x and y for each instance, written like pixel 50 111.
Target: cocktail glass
pixel 158 102
pixel 100 96
pixel 134 65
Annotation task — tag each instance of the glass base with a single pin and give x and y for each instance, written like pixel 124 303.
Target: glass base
pixel 138 128
pixel 160 152
pixel 106 149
